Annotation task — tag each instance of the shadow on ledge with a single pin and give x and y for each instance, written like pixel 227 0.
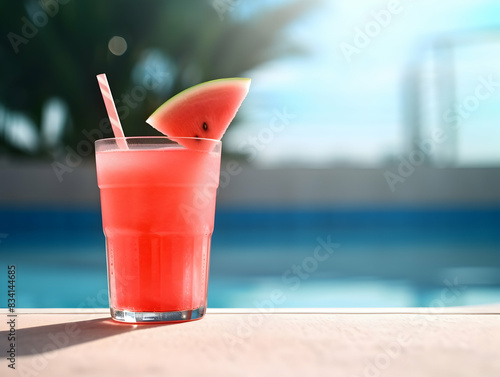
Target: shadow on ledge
pixel 49 338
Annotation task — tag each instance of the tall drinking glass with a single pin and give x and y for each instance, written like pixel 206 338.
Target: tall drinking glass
pixel 158 206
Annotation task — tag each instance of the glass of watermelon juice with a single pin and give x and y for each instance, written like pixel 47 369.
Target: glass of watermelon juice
pixel 158 206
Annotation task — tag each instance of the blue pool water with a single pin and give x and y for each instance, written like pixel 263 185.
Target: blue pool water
pixel 278 258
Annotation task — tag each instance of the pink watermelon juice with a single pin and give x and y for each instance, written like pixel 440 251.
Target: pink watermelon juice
pixel 158 206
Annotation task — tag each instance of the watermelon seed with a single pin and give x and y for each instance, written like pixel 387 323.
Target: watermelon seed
pixel 205 126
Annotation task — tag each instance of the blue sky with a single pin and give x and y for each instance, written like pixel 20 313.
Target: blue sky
pixel 349 108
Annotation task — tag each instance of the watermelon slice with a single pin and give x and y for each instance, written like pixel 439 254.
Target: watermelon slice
pixel 203 111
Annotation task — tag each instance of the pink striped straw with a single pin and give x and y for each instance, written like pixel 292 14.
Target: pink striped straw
pixel 111 109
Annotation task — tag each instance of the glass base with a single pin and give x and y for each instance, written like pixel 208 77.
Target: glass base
pixel 155 317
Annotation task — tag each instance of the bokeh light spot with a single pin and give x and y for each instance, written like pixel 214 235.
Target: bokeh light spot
pixel 117 45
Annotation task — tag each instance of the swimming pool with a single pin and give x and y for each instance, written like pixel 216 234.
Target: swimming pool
pixel 279 257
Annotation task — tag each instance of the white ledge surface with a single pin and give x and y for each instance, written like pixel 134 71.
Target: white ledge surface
pixel 461 341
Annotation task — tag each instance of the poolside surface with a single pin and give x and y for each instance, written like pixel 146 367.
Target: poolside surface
pixel 459 341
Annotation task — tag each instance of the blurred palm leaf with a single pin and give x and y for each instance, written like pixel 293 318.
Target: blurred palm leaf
pixel 63 56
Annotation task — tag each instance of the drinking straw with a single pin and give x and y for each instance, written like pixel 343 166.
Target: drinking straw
pixel 111 109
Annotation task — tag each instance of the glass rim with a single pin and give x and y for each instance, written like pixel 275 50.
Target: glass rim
pixel 171 138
